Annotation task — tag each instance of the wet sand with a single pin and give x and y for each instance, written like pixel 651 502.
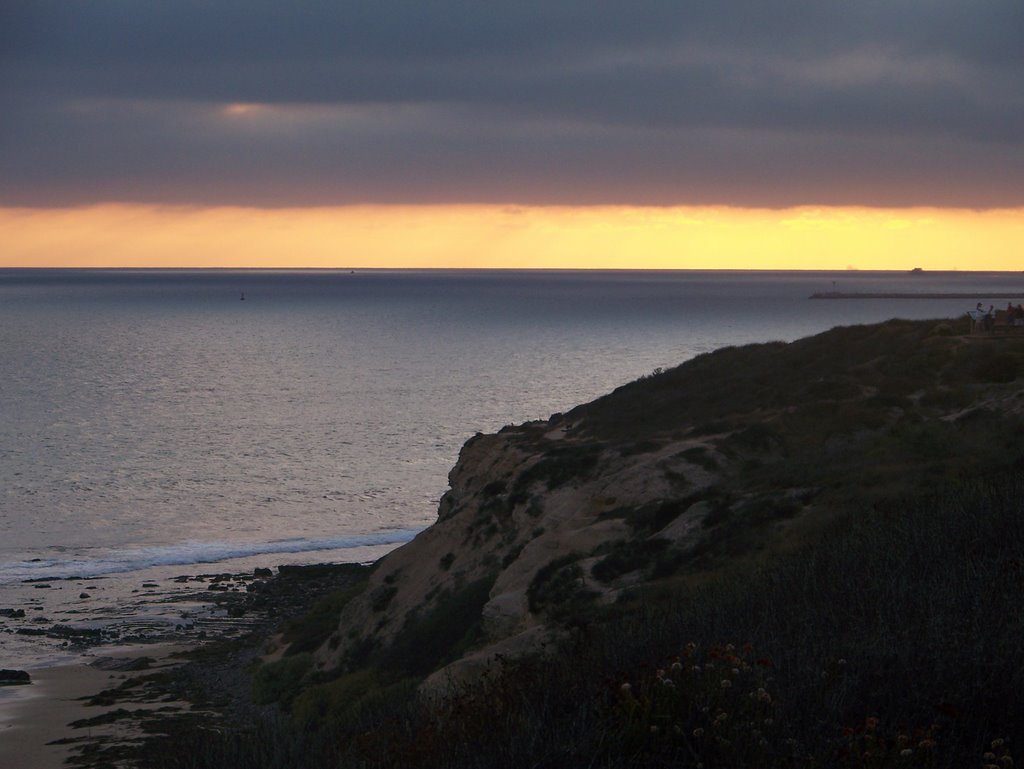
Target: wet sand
pixel 35 716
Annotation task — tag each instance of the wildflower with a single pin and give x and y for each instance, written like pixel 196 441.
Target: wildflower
pixel 696 668
pixel 997 743
pixel 906 752
pixel 691 647
pixel 677 667
pixel 926 744
pixel 667 682
pixel 659 673
pixel 735 671
pixel 730 648
pixel 725 683
pixel 626 689
pixel 698 732
pixel 989 756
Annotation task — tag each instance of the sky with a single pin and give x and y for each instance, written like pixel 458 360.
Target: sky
pixel 458 133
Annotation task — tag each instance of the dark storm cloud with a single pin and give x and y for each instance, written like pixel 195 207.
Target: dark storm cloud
pixel 747 103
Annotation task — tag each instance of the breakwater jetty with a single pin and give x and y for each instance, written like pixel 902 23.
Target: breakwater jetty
pixel 913 295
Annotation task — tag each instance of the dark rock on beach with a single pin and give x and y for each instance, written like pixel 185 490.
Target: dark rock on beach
pixel 14 677
pixel 12 613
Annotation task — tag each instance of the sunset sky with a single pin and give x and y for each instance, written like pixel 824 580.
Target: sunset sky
pixel 650 133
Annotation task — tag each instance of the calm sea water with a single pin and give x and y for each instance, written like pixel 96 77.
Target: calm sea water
pixel 153 419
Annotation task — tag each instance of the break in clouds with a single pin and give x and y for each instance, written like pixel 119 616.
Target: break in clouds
pixel 742 102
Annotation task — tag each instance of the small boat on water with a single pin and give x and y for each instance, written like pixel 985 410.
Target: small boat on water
pixel 242 298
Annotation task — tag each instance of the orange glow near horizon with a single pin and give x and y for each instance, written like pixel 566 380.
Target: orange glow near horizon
pixel 607 237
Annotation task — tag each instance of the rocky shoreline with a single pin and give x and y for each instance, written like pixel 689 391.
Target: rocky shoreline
pixel 191 676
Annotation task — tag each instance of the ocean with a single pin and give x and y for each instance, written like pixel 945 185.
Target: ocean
pixel 156 423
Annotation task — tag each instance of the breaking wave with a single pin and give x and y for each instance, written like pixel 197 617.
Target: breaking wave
pixel 123 560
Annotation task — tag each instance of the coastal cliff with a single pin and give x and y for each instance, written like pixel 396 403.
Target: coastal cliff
pixel 777 555
pixel 726 460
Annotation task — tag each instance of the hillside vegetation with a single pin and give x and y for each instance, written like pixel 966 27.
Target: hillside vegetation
pixel 775 555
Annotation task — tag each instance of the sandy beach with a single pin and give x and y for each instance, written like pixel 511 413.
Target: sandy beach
pixel 34 717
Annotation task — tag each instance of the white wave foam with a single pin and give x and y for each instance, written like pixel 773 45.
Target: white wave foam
pixel 135 559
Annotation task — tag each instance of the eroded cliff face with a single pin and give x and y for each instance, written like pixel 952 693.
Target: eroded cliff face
pixel 529 514
pixel 729 456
